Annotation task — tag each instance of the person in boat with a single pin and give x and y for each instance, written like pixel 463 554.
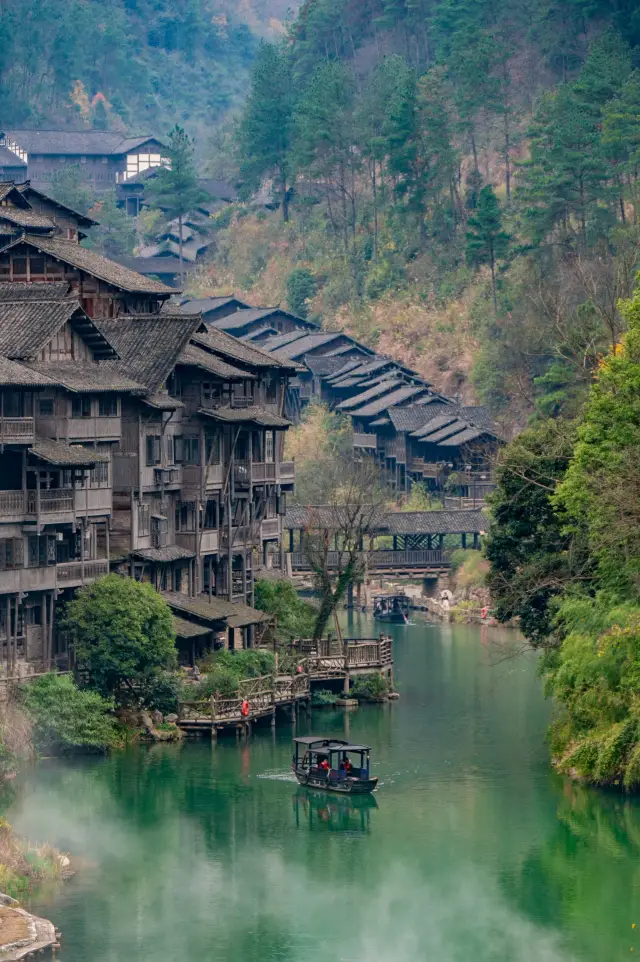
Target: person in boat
pixel 323 764
pixel 345 765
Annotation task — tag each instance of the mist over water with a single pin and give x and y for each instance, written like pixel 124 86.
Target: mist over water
pixel 471 850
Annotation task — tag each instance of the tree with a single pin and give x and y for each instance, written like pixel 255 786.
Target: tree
pixel 621 139
pixel 265 134
pixel 65 718
pixel 295 617
pixel 334 536
pixel 116 232
pixel 174 189
pixel 532 558
pixel 69 188
pixel 123 637
pixel 301 288
pixel 487 243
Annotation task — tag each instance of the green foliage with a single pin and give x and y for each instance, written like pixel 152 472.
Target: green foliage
pixel 68 187
pixel 123 637
pixel 295 617
pixel 369 687
pixel 224 670
pixel 65 718
pixel 301 288
pixel 152 63
pixel 323 696
pixel 116 232
pixel 487 243
pixel 266 130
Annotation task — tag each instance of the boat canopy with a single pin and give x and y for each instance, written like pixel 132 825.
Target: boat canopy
pixel 329 744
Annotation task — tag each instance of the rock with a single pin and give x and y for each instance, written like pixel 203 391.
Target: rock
pixel 157 717
pixel 347 702
pixel 65 862
pixel 171 719
pixel 146 721
pixel 393 696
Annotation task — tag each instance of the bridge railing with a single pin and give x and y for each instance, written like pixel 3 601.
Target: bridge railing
pixel 416 558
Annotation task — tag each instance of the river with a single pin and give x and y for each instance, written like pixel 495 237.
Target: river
pixel 474 850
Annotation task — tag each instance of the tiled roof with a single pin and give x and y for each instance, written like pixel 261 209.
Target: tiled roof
pixel 240 319
pixel 205 304
pixel 76 142
pixel 456 427
pixel 30 314
pixel 265 333
pixel 413 417
pixel 9 159
pixel 163 402
pixel 95 264
pixel 65 455
pixel 26 218
pixel 281 339
pixel 329 516
pixel 300 346
pixel 89 378
pixel 13 374
pixel 326 366
pixel 188 629
pixel 171 553
pixel 8 187
pixel 252 415
pixel 149 344
pixel 388 400
pixel 360 399
pixel 436 522
pixel 28 191
pixel 347 348
pixel 230 347
pixel 434 424
pixel 198 357
pixel 341 367
pixel 470 434
pixel 216 609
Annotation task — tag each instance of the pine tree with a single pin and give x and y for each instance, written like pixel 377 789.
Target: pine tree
pixel 487 243
pixel 265 133
pixel 174 189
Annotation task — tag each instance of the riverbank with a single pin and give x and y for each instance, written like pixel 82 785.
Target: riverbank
pixel 23 935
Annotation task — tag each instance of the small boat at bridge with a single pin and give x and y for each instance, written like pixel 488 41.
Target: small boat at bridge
pixel 326 764
pixel 393 608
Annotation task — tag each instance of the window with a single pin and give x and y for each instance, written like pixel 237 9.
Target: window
pixel 41 551
pixel 99 476
pixel 108 406
pixel 211 393
pixel 45 406
pixel 144 519
pixel 269 447
pixel 33 615
pixel 187 449
pixel 170 458
pixel 153 449
pixel 174 386
pixel 211 515
pixel 159 532
pixel 11 553
pixel 185 516
pixel 81 406
pixel 212 449
pixel 37 266
pixel 272 389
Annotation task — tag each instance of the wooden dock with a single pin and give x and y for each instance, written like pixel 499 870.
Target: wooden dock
pixel 258 699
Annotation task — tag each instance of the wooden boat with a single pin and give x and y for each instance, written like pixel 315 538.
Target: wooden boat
pixel 326 764
pixel 391 608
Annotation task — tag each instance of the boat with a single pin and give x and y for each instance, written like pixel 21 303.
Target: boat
pixel 392 608
pixel 332 765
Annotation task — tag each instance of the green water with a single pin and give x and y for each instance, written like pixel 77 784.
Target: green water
pixel 474 851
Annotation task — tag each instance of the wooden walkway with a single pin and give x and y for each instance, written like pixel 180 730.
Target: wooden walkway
pixel 259 698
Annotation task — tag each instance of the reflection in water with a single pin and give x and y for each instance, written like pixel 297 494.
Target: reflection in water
pixel 474 851
pixel 333 813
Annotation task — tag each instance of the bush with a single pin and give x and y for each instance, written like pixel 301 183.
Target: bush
pixel 301 288
pixel 322 696
pixel 369 687
pixel 66 718
pixel 123 636
pixel 295 618
pixel 226 669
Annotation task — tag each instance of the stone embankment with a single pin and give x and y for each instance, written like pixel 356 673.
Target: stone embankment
pixel 23 935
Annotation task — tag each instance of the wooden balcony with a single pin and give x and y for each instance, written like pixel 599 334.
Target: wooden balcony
pixel 170 477
pixel 13 505
pixel 287 472
pixel 365 440
pixel 72 574
pixel 263 471
pixel 57 504
pixel 17 430
pixel 428 558
pixel 93 501
pixel 28 579
pixel 271 528
pixel 426 468
pixel 91 429
pixel 241 536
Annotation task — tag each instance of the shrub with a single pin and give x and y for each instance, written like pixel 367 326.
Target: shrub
pixel 123 635
pixel 369 687
pixel 295 618
pixel 322 696
pixel 66 718
pixel 301 288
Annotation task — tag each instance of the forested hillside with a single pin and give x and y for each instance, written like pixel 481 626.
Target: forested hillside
pixel 457 184
pixel 151 62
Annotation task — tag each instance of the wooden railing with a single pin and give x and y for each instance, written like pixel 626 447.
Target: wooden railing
pixel 263 471
pixel 361 440
pixel 77 571
pixel 241 473
pixel 239 535
pixel 426 468
pixel 423 558
pixel 12 503
pixel 242 402
pixel 463 504
pixel 271 528
pixel 286 470
pixel 20 430
pixel 332 658
pixel 261 696
pixel 56 501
